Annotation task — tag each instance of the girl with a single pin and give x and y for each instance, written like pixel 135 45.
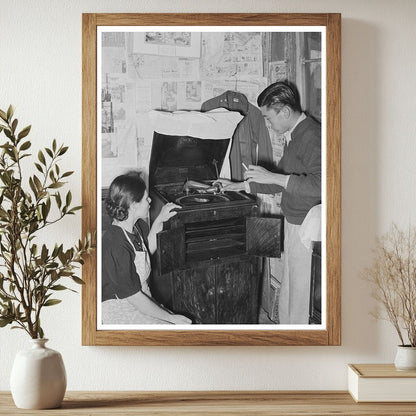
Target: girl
pixel 126 298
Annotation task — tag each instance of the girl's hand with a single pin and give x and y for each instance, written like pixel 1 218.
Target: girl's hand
pixel 167 212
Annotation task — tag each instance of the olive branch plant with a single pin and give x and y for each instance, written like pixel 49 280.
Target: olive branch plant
pixel 31 273
pixel 393 278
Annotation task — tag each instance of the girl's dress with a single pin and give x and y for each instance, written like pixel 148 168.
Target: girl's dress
pixel 121 280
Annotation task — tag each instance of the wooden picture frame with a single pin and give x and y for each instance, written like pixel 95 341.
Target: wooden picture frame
pixel 331 333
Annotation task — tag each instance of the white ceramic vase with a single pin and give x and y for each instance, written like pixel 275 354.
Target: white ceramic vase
pixel 38 377
pixel 405 358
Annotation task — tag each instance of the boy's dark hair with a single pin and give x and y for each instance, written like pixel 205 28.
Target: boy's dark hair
pixel 278 95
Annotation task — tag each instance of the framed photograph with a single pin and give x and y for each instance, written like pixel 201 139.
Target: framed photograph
pixel 211 172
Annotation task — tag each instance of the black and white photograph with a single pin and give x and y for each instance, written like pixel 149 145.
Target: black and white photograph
pixel 211 167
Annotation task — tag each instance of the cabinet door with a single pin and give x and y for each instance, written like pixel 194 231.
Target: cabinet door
pixel 161 288
pixel 238 283
pixel 171 250
pixel 264 236
pixel 194 294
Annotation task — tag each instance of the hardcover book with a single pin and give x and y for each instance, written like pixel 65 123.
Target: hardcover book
pixel 381 383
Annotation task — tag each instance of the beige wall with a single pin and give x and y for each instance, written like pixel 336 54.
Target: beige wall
pixel 40 73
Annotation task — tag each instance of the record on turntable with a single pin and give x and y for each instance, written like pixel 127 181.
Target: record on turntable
pixel 201 198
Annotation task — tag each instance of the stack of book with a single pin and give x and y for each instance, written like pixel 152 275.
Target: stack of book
pixel 381 383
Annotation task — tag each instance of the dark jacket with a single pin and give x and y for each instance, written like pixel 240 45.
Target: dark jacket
pixel 302 161
pixel 250 133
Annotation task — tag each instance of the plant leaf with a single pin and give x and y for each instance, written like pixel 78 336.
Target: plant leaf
pixel 68 199
pixel 77 208
pixel 67 174
pixel 51 302
pixel 41 157
pixel 14 125
pixel 45 211
pixel 40 332
pixel 33 187
pixel 24 132
pixel 63 150
pixel 8 133
pixel 5 321
pixel 25 145
pixel 34 249
pixel 37 182
pixel 58 199
pixel 78 280
pixel 56 185
pixel 59 287
pixel 39 167
pixel 44 253
pixel 10 112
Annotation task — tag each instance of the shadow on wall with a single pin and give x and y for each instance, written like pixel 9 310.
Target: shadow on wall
pixel 361 56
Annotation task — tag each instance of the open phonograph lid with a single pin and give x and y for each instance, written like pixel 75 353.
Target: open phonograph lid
pixel 189 145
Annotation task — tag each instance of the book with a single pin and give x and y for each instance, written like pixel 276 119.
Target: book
pixel 381 383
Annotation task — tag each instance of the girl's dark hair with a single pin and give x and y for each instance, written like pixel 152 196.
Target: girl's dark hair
pixel 278 95
pixel 124 190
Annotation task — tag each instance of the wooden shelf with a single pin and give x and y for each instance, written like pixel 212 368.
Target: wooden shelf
pixel 178 403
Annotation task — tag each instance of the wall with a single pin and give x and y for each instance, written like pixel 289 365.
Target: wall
pixel 40 73
pixel 148 77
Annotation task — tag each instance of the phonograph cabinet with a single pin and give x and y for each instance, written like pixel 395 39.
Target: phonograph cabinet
pixel 208 262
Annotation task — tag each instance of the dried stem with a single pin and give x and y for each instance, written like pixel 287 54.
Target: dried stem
pixel 393 276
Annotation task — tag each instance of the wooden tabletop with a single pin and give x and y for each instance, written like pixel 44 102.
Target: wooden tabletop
pixel 212 403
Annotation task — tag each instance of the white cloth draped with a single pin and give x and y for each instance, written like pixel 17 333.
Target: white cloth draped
pixel 310 230
pixel 216 124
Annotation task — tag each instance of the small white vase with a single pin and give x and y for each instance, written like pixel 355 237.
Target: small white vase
pixel 405 358
pixel 38 377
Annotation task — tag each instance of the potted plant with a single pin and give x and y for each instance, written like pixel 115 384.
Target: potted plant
pixel 393 277
pixel 31 273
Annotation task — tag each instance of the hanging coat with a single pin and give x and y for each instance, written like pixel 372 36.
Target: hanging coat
pixel 251 143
